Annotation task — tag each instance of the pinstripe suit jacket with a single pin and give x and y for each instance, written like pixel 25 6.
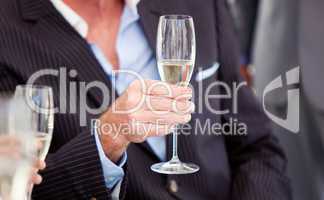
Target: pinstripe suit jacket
pixel 34 36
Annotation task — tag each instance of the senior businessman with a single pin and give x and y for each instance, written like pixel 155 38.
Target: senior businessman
pixel 95 39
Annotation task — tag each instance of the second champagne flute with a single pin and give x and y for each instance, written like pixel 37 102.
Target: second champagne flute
pixel 17 150
pixel 39 100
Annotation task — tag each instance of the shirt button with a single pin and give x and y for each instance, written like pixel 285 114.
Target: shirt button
pixel 173 186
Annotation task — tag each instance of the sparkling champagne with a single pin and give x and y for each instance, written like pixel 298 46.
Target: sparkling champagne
pixel 45 140
pixel 176 71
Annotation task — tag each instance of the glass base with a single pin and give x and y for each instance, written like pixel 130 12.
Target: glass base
pixel 175 167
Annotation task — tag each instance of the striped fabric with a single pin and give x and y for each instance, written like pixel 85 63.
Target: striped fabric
pixel 34 36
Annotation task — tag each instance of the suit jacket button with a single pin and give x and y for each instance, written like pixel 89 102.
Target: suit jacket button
pixel 173 186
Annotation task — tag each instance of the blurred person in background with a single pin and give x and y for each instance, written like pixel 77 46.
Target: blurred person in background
pixel 287 35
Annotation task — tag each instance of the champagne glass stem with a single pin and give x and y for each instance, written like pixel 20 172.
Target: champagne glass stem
pixel 175 157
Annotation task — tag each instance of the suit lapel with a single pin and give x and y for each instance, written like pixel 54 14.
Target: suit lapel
pixel 149 12
pixel 32 10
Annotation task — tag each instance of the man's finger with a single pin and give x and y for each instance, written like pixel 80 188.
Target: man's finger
pixel 158 103
pixel 40 165
pixel 159 88
pixel 9 140
pixel 161 117
pixel 36 179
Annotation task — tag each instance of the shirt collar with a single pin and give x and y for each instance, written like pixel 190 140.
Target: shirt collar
pixel 132 4
pixel 77 22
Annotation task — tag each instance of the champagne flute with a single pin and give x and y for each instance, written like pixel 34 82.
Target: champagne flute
pixel 17 151
pixel 176 52
pixel 40 102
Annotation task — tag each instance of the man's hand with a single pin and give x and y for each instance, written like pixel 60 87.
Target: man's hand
pixel 36 178
pixel 145 109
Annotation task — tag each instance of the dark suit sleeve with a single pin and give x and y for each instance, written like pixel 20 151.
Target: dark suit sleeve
pixel 257 161
pixel 74 171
